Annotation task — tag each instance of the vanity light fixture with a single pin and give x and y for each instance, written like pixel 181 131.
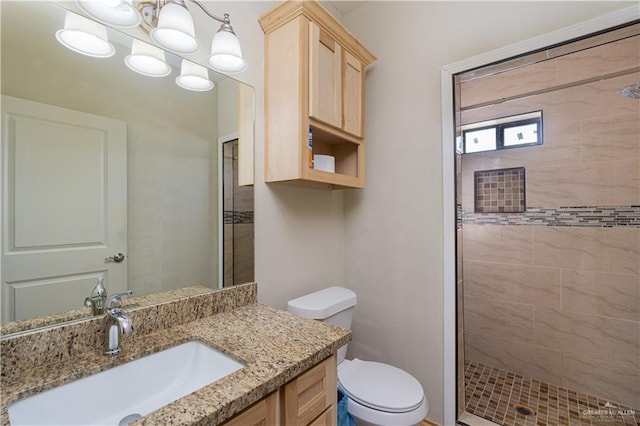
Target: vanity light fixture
pixel 120 13
pixel 194 77
pixel 226 53
pixel 175 30
pixel 171 26
pixel 147 60
pixel 85 36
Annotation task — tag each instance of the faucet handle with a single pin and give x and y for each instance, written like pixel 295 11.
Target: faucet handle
pixel 115 300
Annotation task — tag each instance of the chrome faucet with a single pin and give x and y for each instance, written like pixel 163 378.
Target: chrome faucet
pixel 117 323
pixel 97 298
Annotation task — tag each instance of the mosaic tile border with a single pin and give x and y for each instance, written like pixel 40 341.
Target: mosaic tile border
pixel 495 395
pixel 237 217
pixel 584 216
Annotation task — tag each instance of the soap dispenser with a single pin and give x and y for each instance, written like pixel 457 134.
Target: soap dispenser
pixel 97 298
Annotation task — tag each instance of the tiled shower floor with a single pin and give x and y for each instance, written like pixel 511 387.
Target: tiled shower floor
pixel 496 394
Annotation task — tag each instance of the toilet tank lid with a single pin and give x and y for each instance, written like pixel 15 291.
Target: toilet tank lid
pixel 324 303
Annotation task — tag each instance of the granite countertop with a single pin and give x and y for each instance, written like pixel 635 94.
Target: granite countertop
pixel 275 346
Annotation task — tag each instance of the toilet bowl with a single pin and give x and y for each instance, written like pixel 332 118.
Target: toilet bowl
pixel 381 394
pixel 378 394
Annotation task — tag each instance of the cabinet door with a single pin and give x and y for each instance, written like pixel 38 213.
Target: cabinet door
pixel 328 418
pixel 262 413
pixel 310 394
pixel 353 95
pixel 325 77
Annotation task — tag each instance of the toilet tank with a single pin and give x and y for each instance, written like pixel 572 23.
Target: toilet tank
pixel 333 305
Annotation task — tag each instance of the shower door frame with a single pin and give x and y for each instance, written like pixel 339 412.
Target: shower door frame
pixel 583 29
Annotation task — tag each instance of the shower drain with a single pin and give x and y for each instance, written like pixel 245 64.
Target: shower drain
pixel 523 409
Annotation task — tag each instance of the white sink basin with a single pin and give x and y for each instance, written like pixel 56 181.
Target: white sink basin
pixel 124 393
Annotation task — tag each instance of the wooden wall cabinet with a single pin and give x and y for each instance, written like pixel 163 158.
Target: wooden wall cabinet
pixel 314 80
pixel 308 400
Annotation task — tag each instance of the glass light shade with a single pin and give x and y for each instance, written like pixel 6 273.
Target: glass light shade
pixel 226 54
pixel 194 77
pixel 175 30
pixel 111 3
pixel 119 13
pixel 85 36
pixel 147 60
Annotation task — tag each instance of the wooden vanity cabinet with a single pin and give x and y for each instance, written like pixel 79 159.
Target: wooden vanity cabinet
pixel 262 413
pixel 314 80
pixel 311 398
pixel 308 400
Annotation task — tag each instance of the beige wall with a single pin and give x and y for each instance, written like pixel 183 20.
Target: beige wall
pixel 561 304
pixel 394 227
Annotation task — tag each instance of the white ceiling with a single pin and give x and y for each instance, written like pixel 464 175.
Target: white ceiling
pixel 344 6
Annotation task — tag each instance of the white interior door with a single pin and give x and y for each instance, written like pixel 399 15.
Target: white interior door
pixel 64 207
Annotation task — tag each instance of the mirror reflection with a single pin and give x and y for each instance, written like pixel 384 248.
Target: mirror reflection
pixel 111 175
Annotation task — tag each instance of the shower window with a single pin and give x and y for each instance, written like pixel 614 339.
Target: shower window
pixel 481 140
pixel 501 133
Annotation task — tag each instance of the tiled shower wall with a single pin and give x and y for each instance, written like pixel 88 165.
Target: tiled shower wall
pixel 551 300
pixel 238 222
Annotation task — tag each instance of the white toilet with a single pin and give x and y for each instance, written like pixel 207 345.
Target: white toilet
pixel 378 394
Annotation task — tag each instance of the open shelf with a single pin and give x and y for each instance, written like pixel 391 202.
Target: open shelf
pixel 345 151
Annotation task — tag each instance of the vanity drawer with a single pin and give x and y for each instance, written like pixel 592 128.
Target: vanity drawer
pixel 262 413
pixel 306 397
pixel 328 418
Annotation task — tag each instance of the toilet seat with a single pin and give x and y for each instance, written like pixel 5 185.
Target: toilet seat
pixel 380 386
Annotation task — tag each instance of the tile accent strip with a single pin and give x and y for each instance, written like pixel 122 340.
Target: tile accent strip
pixel 499 190
pixel 589 216
pixel 237 217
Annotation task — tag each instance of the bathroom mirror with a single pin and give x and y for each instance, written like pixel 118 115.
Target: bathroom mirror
pixel 158 199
